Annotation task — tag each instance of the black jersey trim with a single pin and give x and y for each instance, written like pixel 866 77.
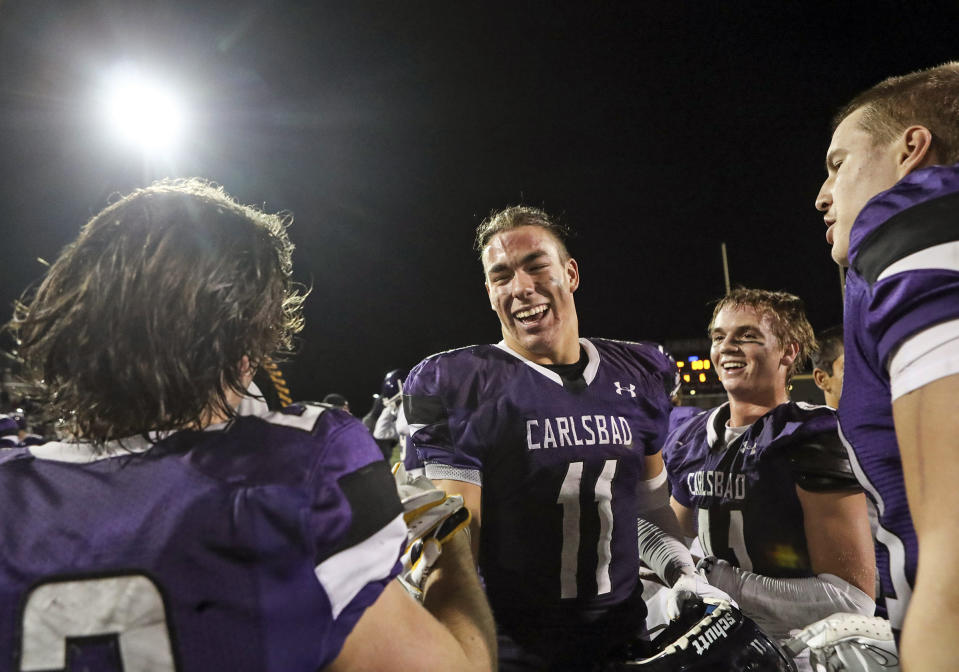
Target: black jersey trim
pixel 421 409
pixel 371 493
pixel 922 226
pixel 820 463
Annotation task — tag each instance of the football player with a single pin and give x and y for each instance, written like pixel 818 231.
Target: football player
pixel 172 533
pixel 889 202
pixel 554 442
pixel 765 482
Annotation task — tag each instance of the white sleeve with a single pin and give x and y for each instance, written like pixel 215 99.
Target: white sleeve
pixel 781 605
pixel 385 428
pixel 924 357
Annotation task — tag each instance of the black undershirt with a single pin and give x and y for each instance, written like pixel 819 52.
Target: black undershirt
pixel 572 374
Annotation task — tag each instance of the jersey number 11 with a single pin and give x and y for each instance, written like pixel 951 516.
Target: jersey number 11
pixel 569 497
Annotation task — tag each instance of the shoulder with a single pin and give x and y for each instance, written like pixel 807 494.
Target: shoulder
pixel 303 443
pixel 810 443
pixel 911 218
pixel 649 358
pixel 434 371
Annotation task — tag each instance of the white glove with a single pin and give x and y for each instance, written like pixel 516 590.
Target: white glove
pixel 848 643
pixel 690 586
pixel 432 518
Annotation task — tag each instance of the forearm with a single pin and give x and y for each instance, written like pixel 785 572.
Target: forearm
pixel 780 605
pixel 662 553
pixel 927 640
pixel 454 596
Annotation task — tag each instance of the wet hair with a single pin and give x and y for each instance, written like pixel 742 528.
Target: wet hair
pixel 140 324
pixel 516 216
pixel 787 316
pixel 830 347
pixel 929 98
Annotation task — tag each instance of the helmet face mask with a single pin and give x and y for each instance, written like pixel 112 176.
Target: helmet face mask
pixel 712 636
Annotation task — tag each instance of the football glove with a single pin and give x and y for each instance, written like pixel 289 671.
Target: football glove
pixel 848 643
pixel 432 518
pixel 692 586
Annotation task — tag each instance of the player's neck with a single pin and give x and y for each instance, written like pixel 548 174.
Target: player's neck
pixel 746 411
pixel 566 351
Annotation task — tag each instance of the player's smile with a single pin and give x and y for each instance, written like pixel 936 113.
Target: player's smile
pixel 531 316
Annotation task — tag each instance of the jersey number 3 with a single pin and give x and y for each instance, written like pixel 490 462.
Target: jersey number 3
pixel 129 608
pixel 569 497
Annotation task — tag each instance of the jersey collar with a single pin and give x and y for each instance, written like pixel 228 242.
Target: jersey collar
pixel 589 374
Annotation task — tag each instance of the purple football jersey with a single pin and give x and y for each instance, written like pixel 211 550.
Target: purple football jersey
pixel 744 493
pixel 558 460
pixel 254 545
pixel 892 294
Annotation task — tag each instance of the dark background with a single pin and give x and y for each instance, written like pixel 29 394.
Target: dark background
pixel 657 130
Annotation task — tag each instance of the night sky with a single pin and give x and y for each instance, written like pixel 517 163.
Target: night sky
pixel 390 130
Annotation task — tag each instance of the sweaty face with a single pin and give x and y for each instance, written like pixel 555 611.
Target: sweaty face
pixel 857 169
pixel 531 289
pixel 747 356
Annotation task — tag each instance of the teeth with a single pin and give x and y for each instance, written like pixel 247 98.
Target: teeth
pixel 733 365
pixel 523 314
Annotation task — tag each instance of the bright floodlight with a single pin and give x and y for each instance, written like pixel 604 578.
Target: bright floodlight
pixel 143 112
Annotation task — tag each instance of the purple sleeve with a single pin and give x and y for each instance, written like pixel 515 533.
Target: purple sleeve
pixel 907 303
pixel 439 431
pixel 356 525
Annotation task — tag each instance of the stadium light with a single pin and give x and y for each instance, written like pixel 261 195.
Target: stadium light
pixel 143 112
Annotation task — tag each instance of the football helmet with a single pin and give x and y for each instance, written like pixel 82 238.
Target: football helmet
pixel 393 384
pixel 709 636
pixel 8 425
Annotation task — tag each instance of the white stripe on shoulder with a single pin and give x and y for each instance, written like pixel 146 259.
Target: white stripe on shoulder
pixel 345 574
pixel 555 377
pixel 944 256
pixel 926 356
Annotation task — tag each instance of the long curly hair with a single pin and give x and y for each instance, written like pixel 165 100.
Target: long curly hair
pixel 141 323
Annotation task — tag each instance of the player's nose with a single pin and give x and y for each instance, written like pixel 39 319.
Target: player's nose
pixel 521 284
pixel 824 198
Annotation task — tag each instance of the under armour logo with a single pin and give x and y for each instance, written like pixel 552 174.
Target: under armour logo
pixel 748 448
pixel 620 389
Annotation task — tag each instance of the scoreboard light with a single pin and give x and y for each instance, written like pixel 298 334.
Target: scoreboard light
pixel 685 377
pixel 702 377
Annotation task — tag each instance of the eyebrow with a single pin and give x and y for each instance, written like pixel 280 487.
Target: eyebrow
pixel 532 256
pixel 739 329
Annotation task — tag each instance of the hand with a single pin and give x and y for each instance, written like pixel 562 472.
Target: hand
pixel 689 586
pixel 847 643
pixel 432 518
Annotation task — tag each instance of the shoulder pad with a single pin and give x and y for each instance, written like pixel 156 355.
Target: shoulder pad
pixel 917 228
pixel 820 463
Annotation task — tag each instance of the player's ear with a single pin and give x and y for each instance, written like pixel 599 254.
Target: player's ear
pixel 790 353
pixel 572 274
pixel 914 150
pixel 819 377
